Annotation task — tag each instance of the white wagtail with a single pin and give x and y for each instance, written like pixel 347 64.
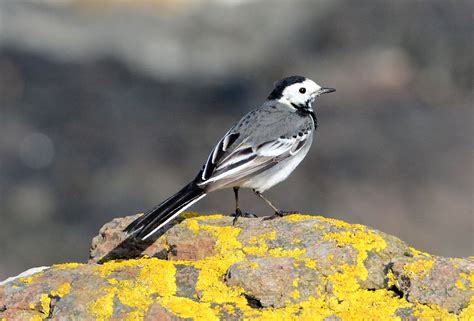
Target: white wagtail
pixel 258 152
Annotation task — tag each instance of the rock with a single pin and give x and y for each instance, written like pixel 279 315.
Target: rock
pixel 275 282
pixel 105 246
pixel 427 279
pixel 157 312
pixel 298 267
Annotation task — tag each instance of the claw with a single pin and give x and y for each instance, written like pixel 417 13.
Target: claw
pixel 278 214
pixel 238 213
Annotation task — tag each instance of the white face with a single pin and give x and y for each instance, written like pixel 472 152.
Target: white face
pixel 301 94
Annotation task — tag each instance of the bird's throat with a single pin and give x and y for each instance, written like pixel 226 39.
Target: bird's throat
pixel 305 110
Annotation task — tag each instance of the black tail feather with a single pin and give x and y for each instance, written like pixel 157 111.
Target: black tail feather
pixel 155 218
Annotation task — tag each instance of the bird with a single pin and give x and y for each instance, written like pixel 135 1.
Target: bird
pixel 258 152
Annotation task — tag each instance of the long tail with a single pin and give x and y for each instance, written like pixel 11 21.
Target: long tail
pixel 163 213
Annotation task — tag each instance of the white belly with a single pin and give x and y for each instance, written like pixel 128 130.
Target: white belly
pixel 277 173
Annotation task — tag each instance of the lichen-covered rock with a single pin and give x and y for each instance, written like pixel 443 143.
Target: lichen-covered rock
pixel 427 279
pixel 295 268
pixel 275 282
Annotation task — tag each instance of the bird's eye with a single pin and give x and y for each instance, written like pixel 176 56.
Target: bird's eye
pixel 302 90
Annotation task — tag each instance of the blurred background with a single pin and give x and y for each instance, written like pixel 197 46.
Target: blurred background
pixel 108 107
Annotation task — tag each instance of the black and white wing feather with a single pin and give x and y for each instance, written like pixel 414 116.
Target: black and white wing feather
pixel 227 169
pixel 217 153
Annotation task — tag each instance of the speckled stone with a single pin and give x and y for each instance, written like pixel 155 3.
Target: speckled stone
pixel 298 267
pixel 436 280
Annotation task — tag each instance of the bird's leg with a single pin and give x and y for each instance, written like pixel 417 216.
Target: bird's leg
pixel 278 212
pixel 238 212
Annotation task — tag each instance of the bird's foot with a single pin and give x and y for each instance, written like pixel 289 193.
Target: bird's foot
pixel 238 213
pixel 278 214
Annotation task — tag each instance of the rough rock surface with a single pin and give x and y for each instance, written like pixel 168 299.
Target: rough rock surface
pixel 295 268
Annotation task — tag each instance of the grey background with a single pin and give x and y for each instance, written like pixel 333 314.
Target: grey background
pixel 108 107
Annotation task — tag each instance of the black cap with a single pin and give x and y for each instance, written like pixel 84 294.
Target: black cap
pixel 280 85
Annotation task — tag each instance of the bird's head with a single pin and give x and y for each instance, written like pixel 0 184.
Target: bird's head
pixel 299 92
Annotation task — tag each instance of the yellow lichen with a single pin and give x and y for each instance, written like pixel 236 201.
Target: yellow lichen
pixel 345 283
pixel 467 313
pixel 338 223
pixel 210 281
pixel 465 278
pixel 297 217
pixel 63 289
pixel 189 215
pixel 261 246
pixel 470 277
pixel 433 312
pixel 460 285
pixel 187 308
pixel 45 304
pixel 417 253
pixel 27 280
pixel 156 277
pixel 392 279
pixel 309 263
pixel 279 252
pixel 45 300
pixel 295 282
pixel 295 294
pixel 103 307
pixel 369 305
pixel 66 266
pixel 193 225
pixel 209 217
pixel 419 268
pixel 155 280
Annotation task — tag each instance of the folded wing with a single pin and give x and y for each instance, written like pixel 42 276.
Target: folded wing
pixel 245 160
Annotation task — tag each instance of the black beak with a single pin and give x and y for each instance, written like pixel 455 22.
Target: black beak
pixel 325 90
